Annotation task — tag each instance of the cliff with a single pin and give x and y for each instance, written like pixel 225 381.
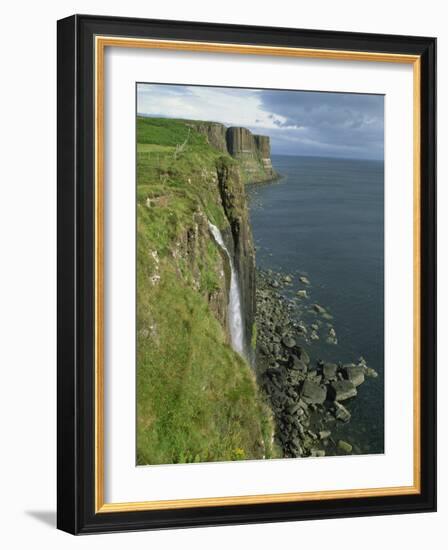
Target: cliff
pixel 197 399
pixel 233 198
pixel 252 151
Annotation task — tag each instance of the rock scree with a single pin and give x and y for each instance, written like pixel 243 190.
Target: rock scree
pixel 305 394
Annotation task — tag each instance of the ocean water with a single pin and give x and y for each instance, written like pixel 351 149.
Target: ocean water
pixel 325 219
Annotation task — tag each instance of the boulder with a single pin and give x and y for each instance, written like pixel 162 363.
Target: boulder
pixel 329 371
pixel 343 389
pixel 355 375
pixel 341 413
pixel 319 309
pixel 324 434
pixel 313 393
pixel 297 364
pixel 316 378
pixel 302 294
pixel 301 354
pixel 304 280
pixel 344 446
pixel 371 372
pixel 293 409
pixel 288 342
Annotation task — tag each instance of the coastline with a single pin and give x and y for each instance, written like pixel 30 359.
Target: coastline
pixel 309 398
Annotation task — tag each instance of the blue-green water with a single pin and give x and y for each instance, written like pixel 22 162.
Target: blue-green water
pixel 325 219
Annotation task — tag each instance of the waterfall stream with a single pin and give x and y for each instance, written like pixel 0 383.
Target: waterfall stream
pixel 235 314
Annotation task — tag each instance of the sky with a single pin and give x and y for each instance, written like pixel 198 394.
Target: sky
pixel 325 124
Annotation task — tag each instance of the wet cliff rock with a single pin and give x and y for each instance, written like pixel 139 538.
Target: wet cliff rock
pixel 233 197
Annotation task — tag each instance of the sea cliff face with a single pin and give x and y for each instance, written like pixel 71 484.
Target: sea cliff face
pixel 252 151
pixel 233 197
pixel 197 399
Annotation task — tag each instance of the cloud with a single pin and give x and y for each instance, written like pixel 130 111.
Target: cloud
pixel 337 124
pixel 298 122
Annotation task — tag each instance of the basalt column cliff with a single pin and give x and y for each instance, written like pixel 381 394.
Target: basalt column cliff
pixel 251 150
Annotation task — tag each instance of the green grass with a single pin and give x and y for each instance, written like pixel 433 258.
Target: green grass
pixel 197 400
pixel 167 132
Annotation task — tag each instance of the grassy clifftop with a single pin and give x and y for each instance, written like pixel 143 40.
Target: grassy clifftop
pixel 197 400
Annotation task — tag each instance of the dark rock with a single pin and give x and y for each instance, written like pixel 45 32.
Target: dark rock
pixel 313 393
pixel 343 389
pixel 296 364
pixel 301 354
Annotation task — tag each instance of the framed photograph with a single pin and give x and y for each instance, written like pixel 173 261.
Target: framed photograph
pixel 246 274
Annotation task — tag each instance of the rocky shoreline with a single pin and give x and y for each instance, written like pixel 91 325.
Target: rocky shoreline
pixel 309 398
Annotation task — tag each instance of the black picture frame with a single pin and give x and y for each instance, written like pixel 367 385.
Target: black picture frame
pixel 76 225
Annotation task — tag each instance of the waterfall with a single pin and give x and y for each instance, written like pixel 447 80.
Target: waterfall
pixel 235 313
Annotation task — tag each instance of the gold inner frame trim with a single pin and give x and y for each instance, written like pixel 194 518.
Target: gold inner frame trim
pixel 101 42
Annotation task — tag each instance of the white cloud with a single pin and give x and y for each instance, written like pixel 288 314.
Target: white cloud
pixel 230 106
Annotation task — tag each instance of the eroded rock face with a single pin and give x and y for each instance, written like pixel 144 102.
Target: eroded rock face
pixel 240 141
pixel 191 247
pixel 239 239
pixel 252 150
pixel 215 134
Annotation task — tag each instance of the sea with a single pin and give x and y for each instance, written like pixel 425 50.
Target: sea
pixel 324 219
